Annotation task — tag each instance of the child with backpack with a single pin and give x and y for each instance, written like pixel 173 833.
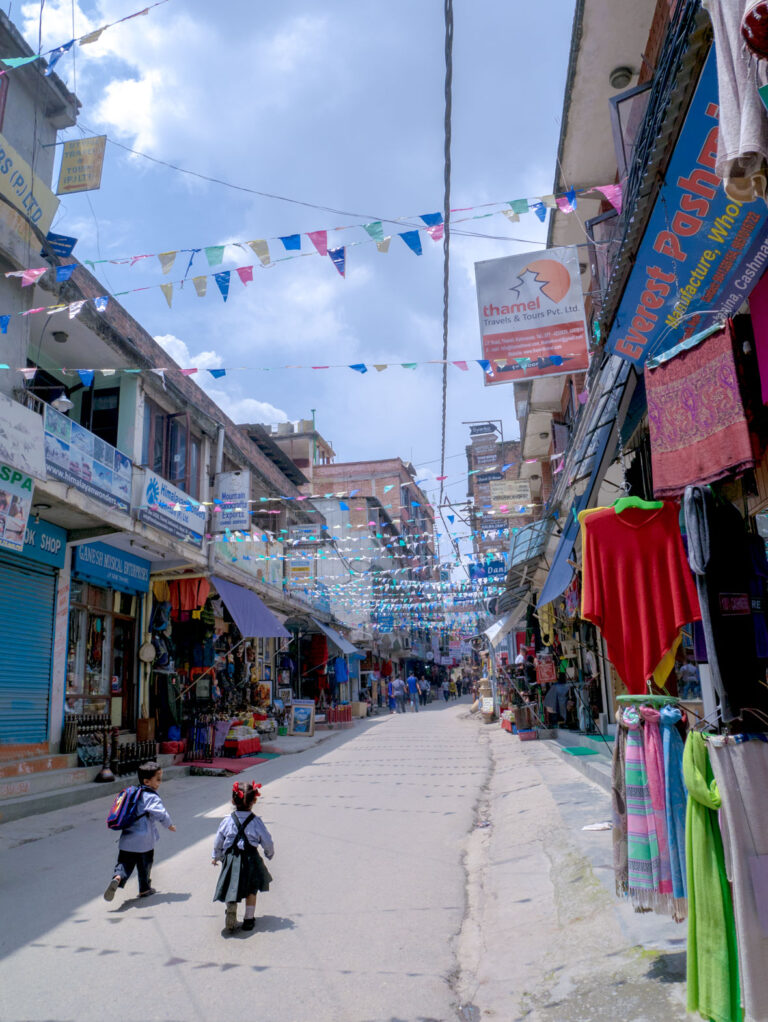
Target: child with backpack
pixel 135 812
pixel 243 873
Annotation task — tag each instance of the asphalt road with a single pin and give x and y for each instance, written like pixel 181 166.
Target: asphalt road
pixel 359 926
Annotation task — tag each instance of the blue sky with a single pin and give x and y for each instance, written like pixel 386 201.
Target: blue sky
pixel 340 105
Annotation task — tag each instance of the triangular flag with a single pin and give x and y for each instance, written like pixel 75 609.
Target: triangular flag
pixel 214 254
pixel 437 232
pixel 75 308
pixel 161 374
pixel 291 242
pixel 92 37
pixel 27 276
pixel 167 290
pixel 320 240
pixel 511 215
pixel 379 367
pixel 188 372
pixel 412 240
pixel 359 367
pixel 540 210
pixel 261 249
pixel 339 259
pixel 222 279
pixel 217 373
pixel 383 246
pixel 549 201
pixel 55 56
pixel 167 259
pixel 500 362
pixel 245 273
pixel 612 194
pixel 432 219
pixel 65 272
pixel 18 61
pixel 28 374
pixel 343 506
pixel 107 372
pixel 461 365
pixel 519 205
pixel 409 365
pixel 484 364
pixel 201 285
pixel 86 376
pixel 388 488
pixel 101 303
pixel 375 230
pixel 4 321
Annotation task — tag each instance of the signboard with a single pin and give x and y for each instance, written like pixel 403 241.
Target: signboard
pixel 488 477
pixel 302 721
pixel 81 164
pixel 60 244
pixel 110 567
pixel 21 438
pixel 168 508
pixel 233 489
pixel 78 458
pixel 24 190
pixel 701 250
pixel 45 543
pixel 511 493
pixel 481 428
pixel 531 309
pixel 496 569
pixel 16 489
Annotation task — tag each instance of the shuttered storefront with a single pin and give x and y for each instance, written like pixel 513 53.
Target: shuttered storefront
pixel 27 608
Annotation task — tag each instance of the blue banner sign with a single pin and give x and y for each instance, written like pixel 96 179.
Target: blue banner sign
pixel 702 253
pixel 107 566
pixel 45 543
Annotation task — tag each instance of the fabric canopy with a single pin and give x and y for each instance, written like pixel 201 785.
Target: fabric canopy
pixel 339 641
pixel 496 632
pixel 561 570
pixel 252 618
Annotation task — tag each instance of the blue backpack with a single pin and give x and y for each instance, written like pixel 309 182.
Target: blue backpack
pixel 125 809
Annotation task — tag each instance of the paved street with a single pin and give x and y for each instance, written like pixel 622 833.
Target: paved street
pixel 370 918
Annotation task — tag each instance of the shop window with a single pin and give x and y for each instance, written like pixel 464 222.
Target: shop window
pixel 99 411
pixel 170 448
pixel 627 115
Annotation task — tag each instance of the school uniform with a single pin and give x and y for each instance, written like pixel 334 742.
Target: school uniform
pixel 243 871
pixel 137 842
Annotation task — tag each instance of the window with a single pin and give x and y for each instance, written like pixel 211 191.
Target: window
pixel 170 448
pixel 99 411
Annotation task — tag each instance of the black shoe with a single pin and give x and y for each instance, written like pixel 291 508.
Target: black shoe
pixel 146 894
pixel 248 924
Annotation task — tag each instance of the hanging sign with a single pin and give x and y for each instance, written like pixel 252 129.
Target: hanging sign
pixel 233 491
pixel 107 566
pixel 25 190
pixel 168 508
pixel 512 493
pixel 77 457
pixel 81 164
pixel 481 428
pixel 531 310
pixel 16 489
pixel 701 251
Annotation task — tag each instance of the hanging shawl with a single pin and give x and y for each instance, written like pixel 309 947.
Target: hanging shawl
pixel 712 960
pixel 619 807
pixel 643 867
pixel 676 796
pixel 654 764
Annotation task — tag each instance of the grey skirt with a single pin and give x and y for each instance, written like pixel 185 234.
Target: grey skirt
pixel 243 872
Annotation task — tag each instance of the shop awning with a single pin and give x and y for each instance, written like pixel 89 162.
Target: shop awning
pixel 561 570
pixel 496 632
pixel 342 644
pixel 530 542
pixel 252 617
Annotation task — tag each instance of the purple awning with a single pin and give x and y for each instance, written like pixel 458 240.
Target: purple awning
pixel 253 619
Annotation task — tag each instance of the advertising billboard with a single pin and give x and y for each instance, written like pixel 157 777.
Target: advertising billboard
pixel 531 310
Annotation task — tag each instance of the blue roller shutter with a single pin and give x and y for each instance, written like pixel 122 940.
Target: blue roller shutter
pixel 27 605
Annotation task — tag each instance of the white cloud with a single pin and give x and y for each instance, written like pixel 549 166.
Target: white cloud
pixel 247 409
pixel 179 352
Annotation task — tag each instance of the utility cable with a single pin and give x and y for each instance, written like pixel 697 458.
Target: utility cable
pixel 447 224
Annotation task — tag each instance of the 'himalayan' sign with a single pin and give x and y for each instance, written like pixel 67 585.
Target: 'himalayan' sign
pixel 81 165
pixel 25 190
pixel 701 253
pixel 531 310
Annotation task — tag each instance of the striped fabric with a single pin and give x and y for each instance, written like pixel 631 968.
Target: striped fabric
pixel 644 870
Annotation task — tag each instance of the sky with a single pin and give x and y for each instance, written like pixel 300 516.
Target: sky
pixel 341 106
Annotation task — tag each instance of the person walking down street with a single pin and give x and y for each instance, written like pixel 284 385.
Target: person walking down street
pixel 391 697
pixel 453 689
pixel 413 691
pixel 424 691
pixel 445 688
pixel 243 873
pixel 398 687
pixel 137 841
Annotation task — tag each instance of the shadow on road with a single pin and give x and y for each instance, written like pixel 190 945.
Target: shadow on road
pixel 155 899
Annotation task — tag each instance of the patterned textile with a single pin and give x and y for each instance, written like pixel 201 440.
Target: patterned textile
pixel 698 427
pixel 643 866
pixel 619 808
pixel 676 795
pixel 654 764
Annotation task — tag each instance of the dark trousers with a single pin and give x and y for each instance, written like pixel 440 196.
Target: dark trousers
pixel 142 861
pixel 400 703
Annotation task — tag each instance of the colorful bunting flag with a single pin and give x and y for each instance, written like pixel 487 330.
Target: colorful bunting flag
pixel 101 303
pixel 167 290
pixel 484 364
pixel 86 376
pixel 214 254
pixel 291 242
pixel 92 37
pixel 409 365
pixel 56 55
pixel 74 309
pixel 375 230
pixel 167 259
pixel 201 286
pixel 511 215
pixel 359 367
pixel 245 273
pixel 217 373
pixel 383 246
pixel 4 321
pixel 15 62
pixel 222 279
pixel 65 272
pixel 519 205
pixel 379 367
pixel 613 194
pixel 320 240
pixel 412 240
pixel 540 210
pixel 339 259
pixel 461 365
pixel 261 249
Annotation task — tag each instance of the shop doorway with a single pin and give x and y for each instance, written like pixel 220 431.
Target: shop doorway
pixel 123 668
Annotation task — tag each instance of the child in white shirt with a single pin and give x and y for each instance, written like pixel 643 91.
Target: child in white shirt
pixel 243 872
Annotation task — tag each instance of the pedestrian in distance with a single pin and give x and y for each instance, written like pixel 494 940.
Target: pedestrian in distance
pixel 453 689
pixel 243 872
pixel 398 687
pixel 413 691
pixel 138 838
pixel 391 697
pixel 445 688
pixel 424 688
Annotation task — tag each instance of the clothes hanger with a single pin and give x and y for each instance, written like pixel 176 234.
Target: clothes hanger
pixel 623 503
pixel 648 700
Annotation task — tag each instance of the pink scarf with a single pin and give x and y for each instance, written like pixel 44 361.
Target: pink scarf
pixel 654 762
